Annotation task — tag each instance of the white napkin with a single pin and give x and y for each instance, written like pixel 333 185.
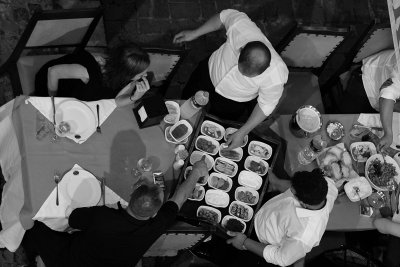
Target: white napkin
pixel 55 216
pixel 373 120
pixel 44 105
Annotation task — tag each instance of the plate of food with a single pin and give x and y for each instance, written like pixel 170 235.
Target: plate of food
pixel 250 179
pixel 217 198
pixel 260 149
pixel 212 129
pixel 225 166
pixel 241 210
pixel 198 193
pixel 197 155
pixel 361 151
pixel 209 213
pixel 174 112
pixel 232 154
pixel 207 144
pixel 247 195
pixel 201 181
pixel 180 130
pixel 382 174
pixel 220 181
pixel 233 224
pixel 229 131
pixel 257 165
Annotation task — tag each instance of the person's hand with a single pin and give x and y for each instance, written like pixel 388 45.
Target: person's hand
pixel 385 141
pixel 381 225
pixel 238 240
pixel 184 36
pixel 142 86
pixel 200 168
pixel 235 140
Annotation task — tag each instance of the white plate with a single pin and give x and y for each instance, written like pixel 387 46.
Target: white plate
pixel 196 156
pixel 250 179
pixel 81 187
pixel 79 116
pixel 259 146
pixel 188 132
pixel 204 131
pixel 369 145
pixel 230 131
pixel 226 161
pixel 227 217
pixel 239 150
pixel 247 207
pixel 247 189
pixel 388 160
pixel 217 198
pixel 209 209
pixel 221 176
pixel 209 139
pixel 258 160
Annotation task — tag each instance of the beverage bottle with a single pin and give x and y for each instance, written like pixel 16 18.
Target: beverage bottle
pixel 194 104
pixel 310 152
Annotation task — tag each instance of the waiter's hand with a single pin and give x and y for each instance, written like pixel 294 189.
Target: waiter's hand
pixel 200 168
pixel 235 140
pixel 385 141
pixel 238 240
pixel 184 36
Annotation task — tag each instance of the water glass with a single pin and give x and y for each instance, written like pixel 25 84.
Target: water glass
pixel 144 165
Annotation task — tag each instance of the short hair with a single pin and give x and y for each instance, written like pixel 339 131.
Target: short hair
pixel 254 58
pixel 145 200
pixel 124 62
pixel 311 187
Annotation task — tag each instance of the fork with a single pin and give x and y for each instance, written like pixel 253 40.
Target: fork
pixel 98 129
pixel 57 179
pixel 357 190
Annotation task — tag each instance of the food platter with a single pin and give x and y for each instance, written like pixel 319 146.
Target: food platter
pixel 230 170
pixel 361 151
pixel 382 178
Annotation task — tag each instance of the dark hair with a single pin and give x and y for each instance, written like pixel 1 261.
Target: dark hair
pixel 254 58
pixel 145 200
pixel 124 62
pixel 311 187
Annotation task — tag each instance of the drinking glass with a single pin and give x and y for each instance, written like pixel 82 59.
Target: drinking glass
pixel 144 165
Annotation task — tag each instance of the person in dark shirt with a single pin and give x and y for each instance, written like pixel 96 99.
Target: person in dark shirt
pixel 79 75
pixel 112 237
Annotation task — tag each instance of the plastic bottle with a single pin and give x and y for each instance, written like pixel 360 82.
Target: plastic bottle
pixel 310 152
pixel 194 104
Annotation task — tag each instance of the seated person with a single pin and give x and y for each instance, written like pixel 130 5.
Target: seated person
pixel 374 86
pixel 387 226
pixel 112 237
pixel 245 68
pixel 79 75
pixel 289 225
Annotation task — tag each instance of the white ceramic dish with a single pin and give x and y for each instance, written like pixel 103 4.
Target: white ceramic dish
pixel 362 146
pixel 81 187
pixel 210 141
pixel 217 198
pixel 238 150
pixel 196 156
pixel 388 160
pixel 259 160
pixel 207 208
pixel 250 179
pixel 244 190
pixel 216 175
pixel 203 192
pixel 212 129
pixel 79 116
pixel 243 205
pixel 169 138
pixel 220 161
pixel 260 149
pixel 202 181
pixel 174 112
pixel 230 131
pixel 188 132
pixel 227 217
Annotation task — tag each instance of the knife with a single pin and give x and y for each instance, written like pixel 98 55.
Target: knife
pixel 54 110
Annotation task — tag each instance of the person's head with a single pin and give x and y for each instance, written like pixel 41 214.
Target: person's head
pixel 310 188
pixel 254 59
pixel 146 199
pixel 125 63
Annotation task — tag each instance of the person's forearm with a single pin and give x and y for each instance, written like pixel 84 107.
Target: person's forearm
pixel 386 114
pixel 185 189
pixel 254 246
pixel 386 226
pixel 124 96
pixel 256 117
pixel 211 25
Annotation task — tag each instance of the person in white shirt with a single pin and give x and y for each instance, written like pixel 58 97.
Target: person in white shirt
pixel 289 225
pixel 246 67
pixel 378 81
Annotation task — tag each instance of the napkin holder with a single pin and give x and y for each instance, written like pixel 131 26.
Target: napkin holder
pixel 150 111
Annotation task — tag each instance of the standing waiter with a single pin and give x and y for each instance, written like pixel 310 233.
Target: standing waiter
pixel 244 68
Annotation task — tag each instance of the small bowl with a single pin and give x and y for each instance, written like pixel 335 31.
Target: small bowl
pixel 230 217
pixel 169 138
pixel 335 130
pixel 247 190
pixel 257 160
pixel 216 175
pixel 250 179
pixel 225 153
pixel 202 193
pixel 224 161
pixel 182 123
pixel 211 210
pixel 205 138
pixel 212 129
pixel 242 206
pixel 260 149
pixel 217 198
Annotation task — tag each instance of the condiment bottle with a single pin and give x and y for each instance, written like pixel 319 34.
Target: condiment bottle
pixel 194 104
pixel 310 152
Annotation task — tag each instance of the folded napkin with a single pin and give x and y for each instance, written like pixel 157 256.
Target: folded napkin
pixel 55 216
pixel 373 120
pixel 44 105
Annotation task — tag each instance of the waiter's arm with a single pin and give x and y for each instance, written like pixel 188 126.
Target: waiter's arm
pixel 386 114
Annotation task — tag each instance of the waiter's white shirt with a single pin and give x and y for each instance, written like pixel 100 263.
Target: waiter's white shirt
pixel 223 65
pixel 290 230
pixel 376 70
